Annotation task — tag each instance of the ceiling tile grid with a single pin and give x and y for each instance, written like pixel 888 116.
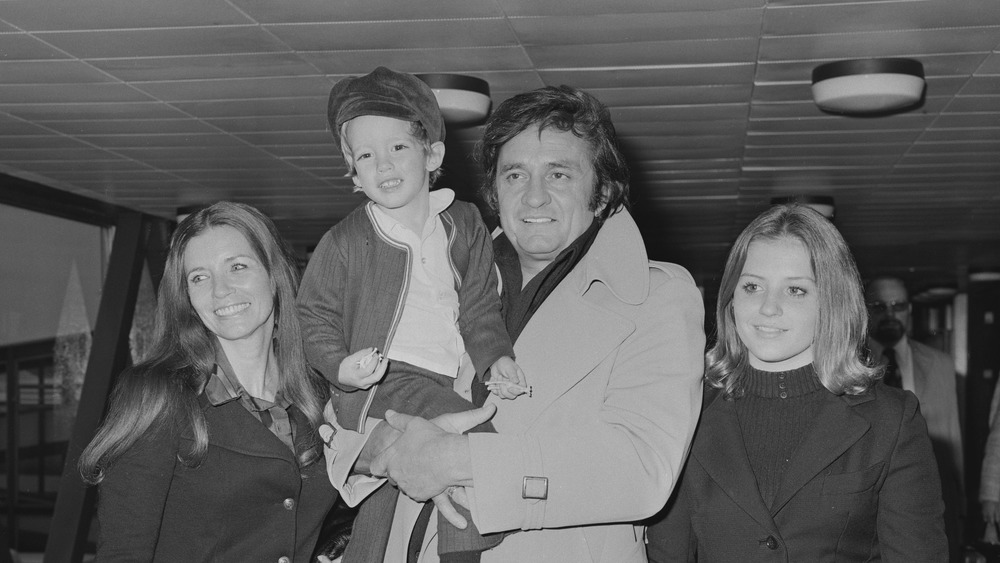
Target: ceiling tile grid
pixel 161 105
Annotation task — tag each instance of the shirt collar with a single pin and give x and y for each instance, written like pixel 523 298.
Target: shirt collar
pixel 223 386
pixel 440 200
pixel 902 347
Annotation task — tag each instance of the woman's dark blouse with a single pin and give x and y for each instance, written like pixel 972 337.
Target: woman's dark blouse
pixel 247 501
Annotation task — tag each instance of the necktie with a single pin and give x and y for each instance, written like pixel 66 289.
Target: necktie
pixel 892 376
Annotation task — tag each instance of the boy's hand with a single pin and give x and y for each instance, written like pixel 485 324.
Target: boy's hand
pixel 507 380
pixel 362 369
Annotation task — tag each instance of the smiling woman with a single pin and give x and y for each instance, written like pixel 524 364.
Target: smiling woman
pixel 232 294
pixel 209 451
pixel 799 453
pixel 775 306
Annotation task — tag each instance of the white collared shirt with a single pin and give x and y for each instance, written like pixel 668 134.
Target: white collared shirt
pixel 427 334
pixel 904 357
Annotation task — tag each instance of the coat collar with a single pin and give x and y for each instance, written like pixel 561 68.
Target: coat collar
pixel 230 426
pixel 720 450
pixel 617 259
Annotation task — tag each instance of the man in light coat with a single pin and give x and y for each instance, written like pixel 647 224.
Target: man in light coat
pixel 611 343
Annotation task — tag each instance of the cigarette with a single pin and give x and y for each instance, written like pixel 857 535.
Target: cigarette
pixel 366 360
pixel 510 386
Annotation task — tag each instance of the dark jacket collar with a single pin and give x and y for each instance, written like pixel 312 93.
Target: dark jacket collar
pixel 720 450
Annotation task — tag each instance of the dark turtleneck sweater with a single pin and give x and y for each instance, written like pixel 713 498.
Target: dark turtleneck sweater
pixel 775 412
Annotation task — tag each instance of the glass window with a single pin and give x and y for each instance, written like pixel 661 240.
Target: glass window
pixel 51 276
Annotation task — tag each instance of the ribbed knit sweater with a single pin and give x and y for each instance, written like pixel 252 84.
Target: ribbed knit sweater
pixel 775 412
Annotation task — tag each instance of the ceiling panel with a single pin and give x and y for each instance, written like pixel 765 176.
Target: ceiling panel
pixel 649 53
pixel 299 11
pixel 160 105
pixel 17 46
pixel 51 72
pixel 207 67
pixel 234 88
pixel 155 42
pixel 829 47
pixel 591 7
pixel 118 14
pixel 574 29
pixel 824 18
pixel 415 34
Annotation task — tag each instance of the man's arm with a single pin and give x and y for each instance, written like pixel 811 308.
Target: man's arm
pixel 615 458
pixel 352 457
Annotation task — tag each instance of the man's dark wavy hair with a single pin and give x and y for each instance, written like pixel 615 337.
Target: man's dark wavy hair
pixel 566 109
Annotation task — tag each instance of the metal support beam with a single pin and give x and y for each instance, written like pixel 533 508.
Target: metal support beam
pixel 109 355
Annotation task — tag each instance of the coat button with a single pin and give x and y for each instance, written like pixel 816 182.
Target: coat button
pixel 289 503
pixel 284 560
pixel 769 542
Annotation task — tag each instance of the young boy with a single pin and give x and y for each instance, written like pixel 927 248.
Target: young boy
pixel 410 275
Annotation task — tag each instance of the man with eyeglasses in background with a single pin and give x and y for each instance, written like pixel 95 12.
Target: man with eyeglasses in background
pixel 930 374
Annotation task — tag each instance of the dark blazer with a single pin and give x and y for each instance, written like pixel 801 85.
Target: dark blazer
pixel 247 501
pixel 863 486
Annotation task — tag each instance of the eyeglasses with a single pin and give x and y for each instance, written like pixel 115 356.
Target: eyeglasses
pixel 894 306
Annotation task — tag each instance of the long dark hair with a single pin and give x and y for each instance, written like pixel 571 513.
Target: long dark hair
pixel 842 324
pixel 166 384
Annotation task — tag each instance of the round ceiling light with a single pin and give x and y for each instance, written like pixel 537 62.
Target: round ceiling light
pixel 464 100
pixel 865 86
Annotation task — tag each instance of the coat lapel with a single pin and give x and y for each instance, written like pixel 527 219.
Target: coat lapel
pixel 577 326
pixel 835 429
pixel 721 452
pixel 230 426
pixel 920 364
pixel 565 340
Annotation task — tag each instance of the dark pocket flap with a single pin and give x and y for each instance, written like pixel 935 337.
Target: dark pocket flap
pixel 854 482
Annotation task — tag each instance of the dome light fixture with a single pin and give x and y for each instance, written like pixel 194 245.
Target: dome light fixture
pixel 868 86
pixel 464 100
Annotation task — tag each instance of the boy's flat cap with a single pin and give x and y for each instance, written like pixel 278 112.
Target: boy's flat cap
pixel 386 93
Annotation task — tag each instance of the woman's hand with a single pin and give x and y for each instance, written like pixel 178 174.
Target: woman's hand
pixel 362 369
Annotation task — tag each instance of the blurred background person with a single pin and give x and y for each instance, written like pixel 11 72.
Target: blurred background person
pixel 930 374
